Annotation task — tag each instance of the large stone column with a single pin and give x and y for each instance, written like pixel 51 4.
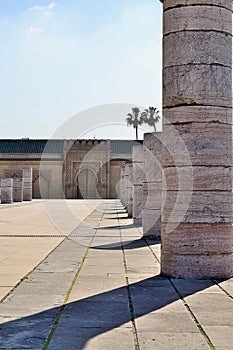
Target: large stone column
pixel 27 184
pixel 17 189
pixel 197 234
pixel 6 191
pixel 123 187
pixel 129 188
pixel 138 176
pixel 152 185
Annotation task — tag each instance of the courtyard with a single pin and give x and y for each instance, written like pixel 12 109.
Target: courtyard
pixel 76 274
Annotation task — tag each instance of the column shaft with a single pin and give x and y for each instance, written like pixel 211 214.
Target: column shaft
pixel 152 186
pixel 197 235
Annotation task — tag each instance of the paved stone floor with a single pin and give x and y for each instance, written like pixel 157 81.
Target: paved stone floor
pixel 82 278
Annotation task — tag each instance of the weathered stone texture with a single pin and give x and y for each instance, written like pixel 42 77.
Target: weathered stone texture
pixel 152 195
pixel 151 222
pixel 204 178
pixel 199 114
pixel 197 84
pixel 197 266
pixel 6 191
pixel 217 48
pixel 197 235
pixel 27 184
pixel 138 171
pixel 138 176
pixel 211 18
pixel 196 239
pixel 205 143
pixel 137 204
pixel 123 187
pixel 129 188
pixel 198 207
pixel 152 185
pixel 17 190
pixel 152 157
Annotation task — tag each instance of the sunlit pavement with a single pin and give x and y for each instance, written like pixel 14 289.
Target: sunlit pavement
pixel 77 275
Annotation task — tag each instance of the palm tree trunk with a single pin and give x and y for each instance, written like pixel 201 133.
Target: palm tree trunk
pixel 136 132
pixel 154 127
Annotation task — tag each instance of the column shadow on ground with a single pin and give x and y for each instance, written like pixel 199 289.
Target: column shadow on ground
pixel 115 227
pixel 87 318
pixel 135 244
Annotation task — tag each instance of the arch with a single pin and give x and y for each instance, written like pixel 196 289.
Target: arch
pixel 87 184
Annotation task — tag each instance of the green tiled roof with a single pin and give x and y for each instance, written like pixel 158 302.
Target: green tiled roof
pixel 123 146
pixel 26 146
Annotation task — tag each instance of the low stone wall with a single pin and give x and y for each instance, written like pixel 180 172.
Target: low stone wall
pixel 17 189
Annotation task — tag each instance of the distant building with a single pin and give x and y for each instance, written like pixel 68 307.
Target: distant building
pixel 67 168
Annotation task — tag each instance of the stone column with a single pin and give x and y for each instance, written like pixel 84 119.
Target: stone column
pixel 17 190
pixel 138 175
pixel 129 188
pixel 122 187
pixel 152 186
pixel 6 191
pixel 27 184
pixel 197 235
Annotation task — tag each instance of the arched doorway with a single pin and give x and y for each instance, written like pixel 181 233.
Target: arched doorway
pixel 86 185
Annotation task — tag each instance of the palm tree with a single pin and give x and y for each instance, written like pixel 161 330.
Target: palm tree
pixel 135 119
pixel 151 116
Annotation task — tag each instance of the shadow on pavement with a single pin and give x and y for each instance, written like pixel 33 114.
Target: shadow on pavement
pixel 87 318
pixel 136 244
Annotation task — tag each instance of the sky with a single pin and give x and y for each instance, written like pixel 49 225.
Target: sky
pixel 60 59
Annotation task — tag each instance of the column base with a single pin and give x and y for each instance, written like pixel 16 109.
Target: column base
pixel 197 266
pixel 197 251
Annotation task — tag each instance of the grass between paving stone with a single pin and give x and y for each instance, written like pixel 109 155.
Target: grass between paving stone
pixel 199 326
pixel 45 347
pixel 54 326
pixel 132 317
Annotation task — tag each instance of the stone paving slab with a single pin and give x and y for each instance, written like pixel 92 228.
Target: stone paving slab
pixel 28 235
pixel 100 288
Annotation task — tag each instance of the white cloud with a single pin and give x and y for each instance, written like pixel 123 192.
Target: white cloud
pixel 52 5
pixel 45 10
pixel 34 30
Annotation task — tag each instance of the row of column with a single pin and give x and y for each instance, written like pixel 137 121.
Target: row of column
pixel 141 185
pixel 196 202
pixel 17 189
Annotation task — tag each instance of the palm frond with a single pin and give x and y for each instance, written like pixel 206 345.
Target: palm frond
pixel 129 121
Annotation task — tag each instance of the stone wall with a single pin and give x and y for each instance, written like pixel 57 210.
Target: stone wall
pixel 47 175
pixel 87 155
